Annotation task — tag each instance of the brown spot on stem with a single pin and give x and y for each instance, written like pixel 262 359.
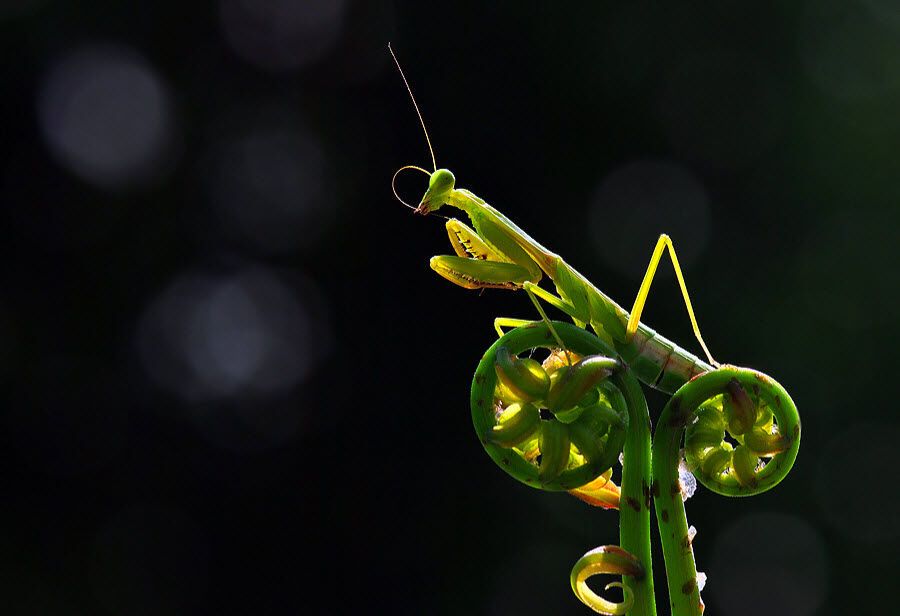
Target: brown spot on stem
pixel 689 586
pixel 480 402
pixel 664 514
pixel 654 487
pixel 479 378
pixel 646 490
pixel 686 542
pixel 795 432
pixel 505 461
pixel 676 488
pixel 633 503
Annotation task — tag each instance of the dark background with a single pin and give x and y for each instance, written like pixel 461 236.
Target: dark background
pixel 233 385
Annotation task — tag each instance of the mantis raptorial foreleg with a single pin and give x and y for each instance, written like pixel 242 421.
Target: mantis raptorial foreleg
pixel 476 264
pixel 639 302
pixel 467 244
pixel 496 253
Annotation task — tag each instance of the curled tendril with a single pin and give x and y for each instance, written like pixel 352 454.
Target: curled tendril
pixel 743 435
pixel 557 425
pixel 609 559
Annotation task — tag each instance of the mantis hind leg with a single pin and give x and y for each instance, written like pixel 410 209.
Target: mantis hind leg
pixel 639 302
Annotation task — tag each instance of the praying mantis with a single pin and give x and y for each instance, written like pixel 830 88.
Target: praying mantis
pixel 558 425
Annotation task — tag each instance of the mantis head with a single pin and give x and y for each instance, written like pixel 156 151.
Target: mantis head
pixel 440 187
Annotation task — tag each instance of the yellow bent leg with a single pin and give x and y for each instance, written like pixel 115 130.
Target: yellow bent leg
pixel 533 291
pixel 501 322
pixel 557 302
pixel 663 243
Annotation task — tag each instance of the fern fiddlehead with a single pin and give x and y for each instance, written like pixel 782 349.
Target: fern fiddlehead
pixel 741 437
pixel 558 425
pixel 561 425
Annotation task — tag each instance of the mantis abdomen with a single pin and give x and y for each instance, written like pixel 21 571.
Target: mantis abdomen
pixel 654 359
pixel 658 362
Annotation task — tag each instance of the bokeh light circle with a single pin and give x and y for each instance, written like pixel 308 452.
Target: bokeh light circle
pixel 768 563
pixel 106 116
pixel 850 54
pixel 854 458
pixel 637 202
pixel 280 35
pixel 886 11
pixel 267 183
pixel 211 336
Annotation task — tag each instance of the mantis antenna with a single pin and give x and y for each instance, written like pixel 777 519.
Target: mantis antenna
pixel 394 183
pixel 419 113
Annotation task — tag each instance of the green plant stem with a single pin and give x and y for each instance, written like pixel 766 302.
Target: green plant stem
pixel 634 504
pixel 679 412
pixel 681 570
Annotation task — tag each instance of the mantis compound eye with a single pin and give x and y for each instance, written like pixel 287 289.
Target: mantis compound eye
pixel 554 426
pixel 442 181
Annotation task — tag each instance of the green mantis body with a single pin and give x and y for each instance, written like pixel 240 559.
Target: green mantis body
pixel 498 254
pixel 559 425
pixel 741 430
